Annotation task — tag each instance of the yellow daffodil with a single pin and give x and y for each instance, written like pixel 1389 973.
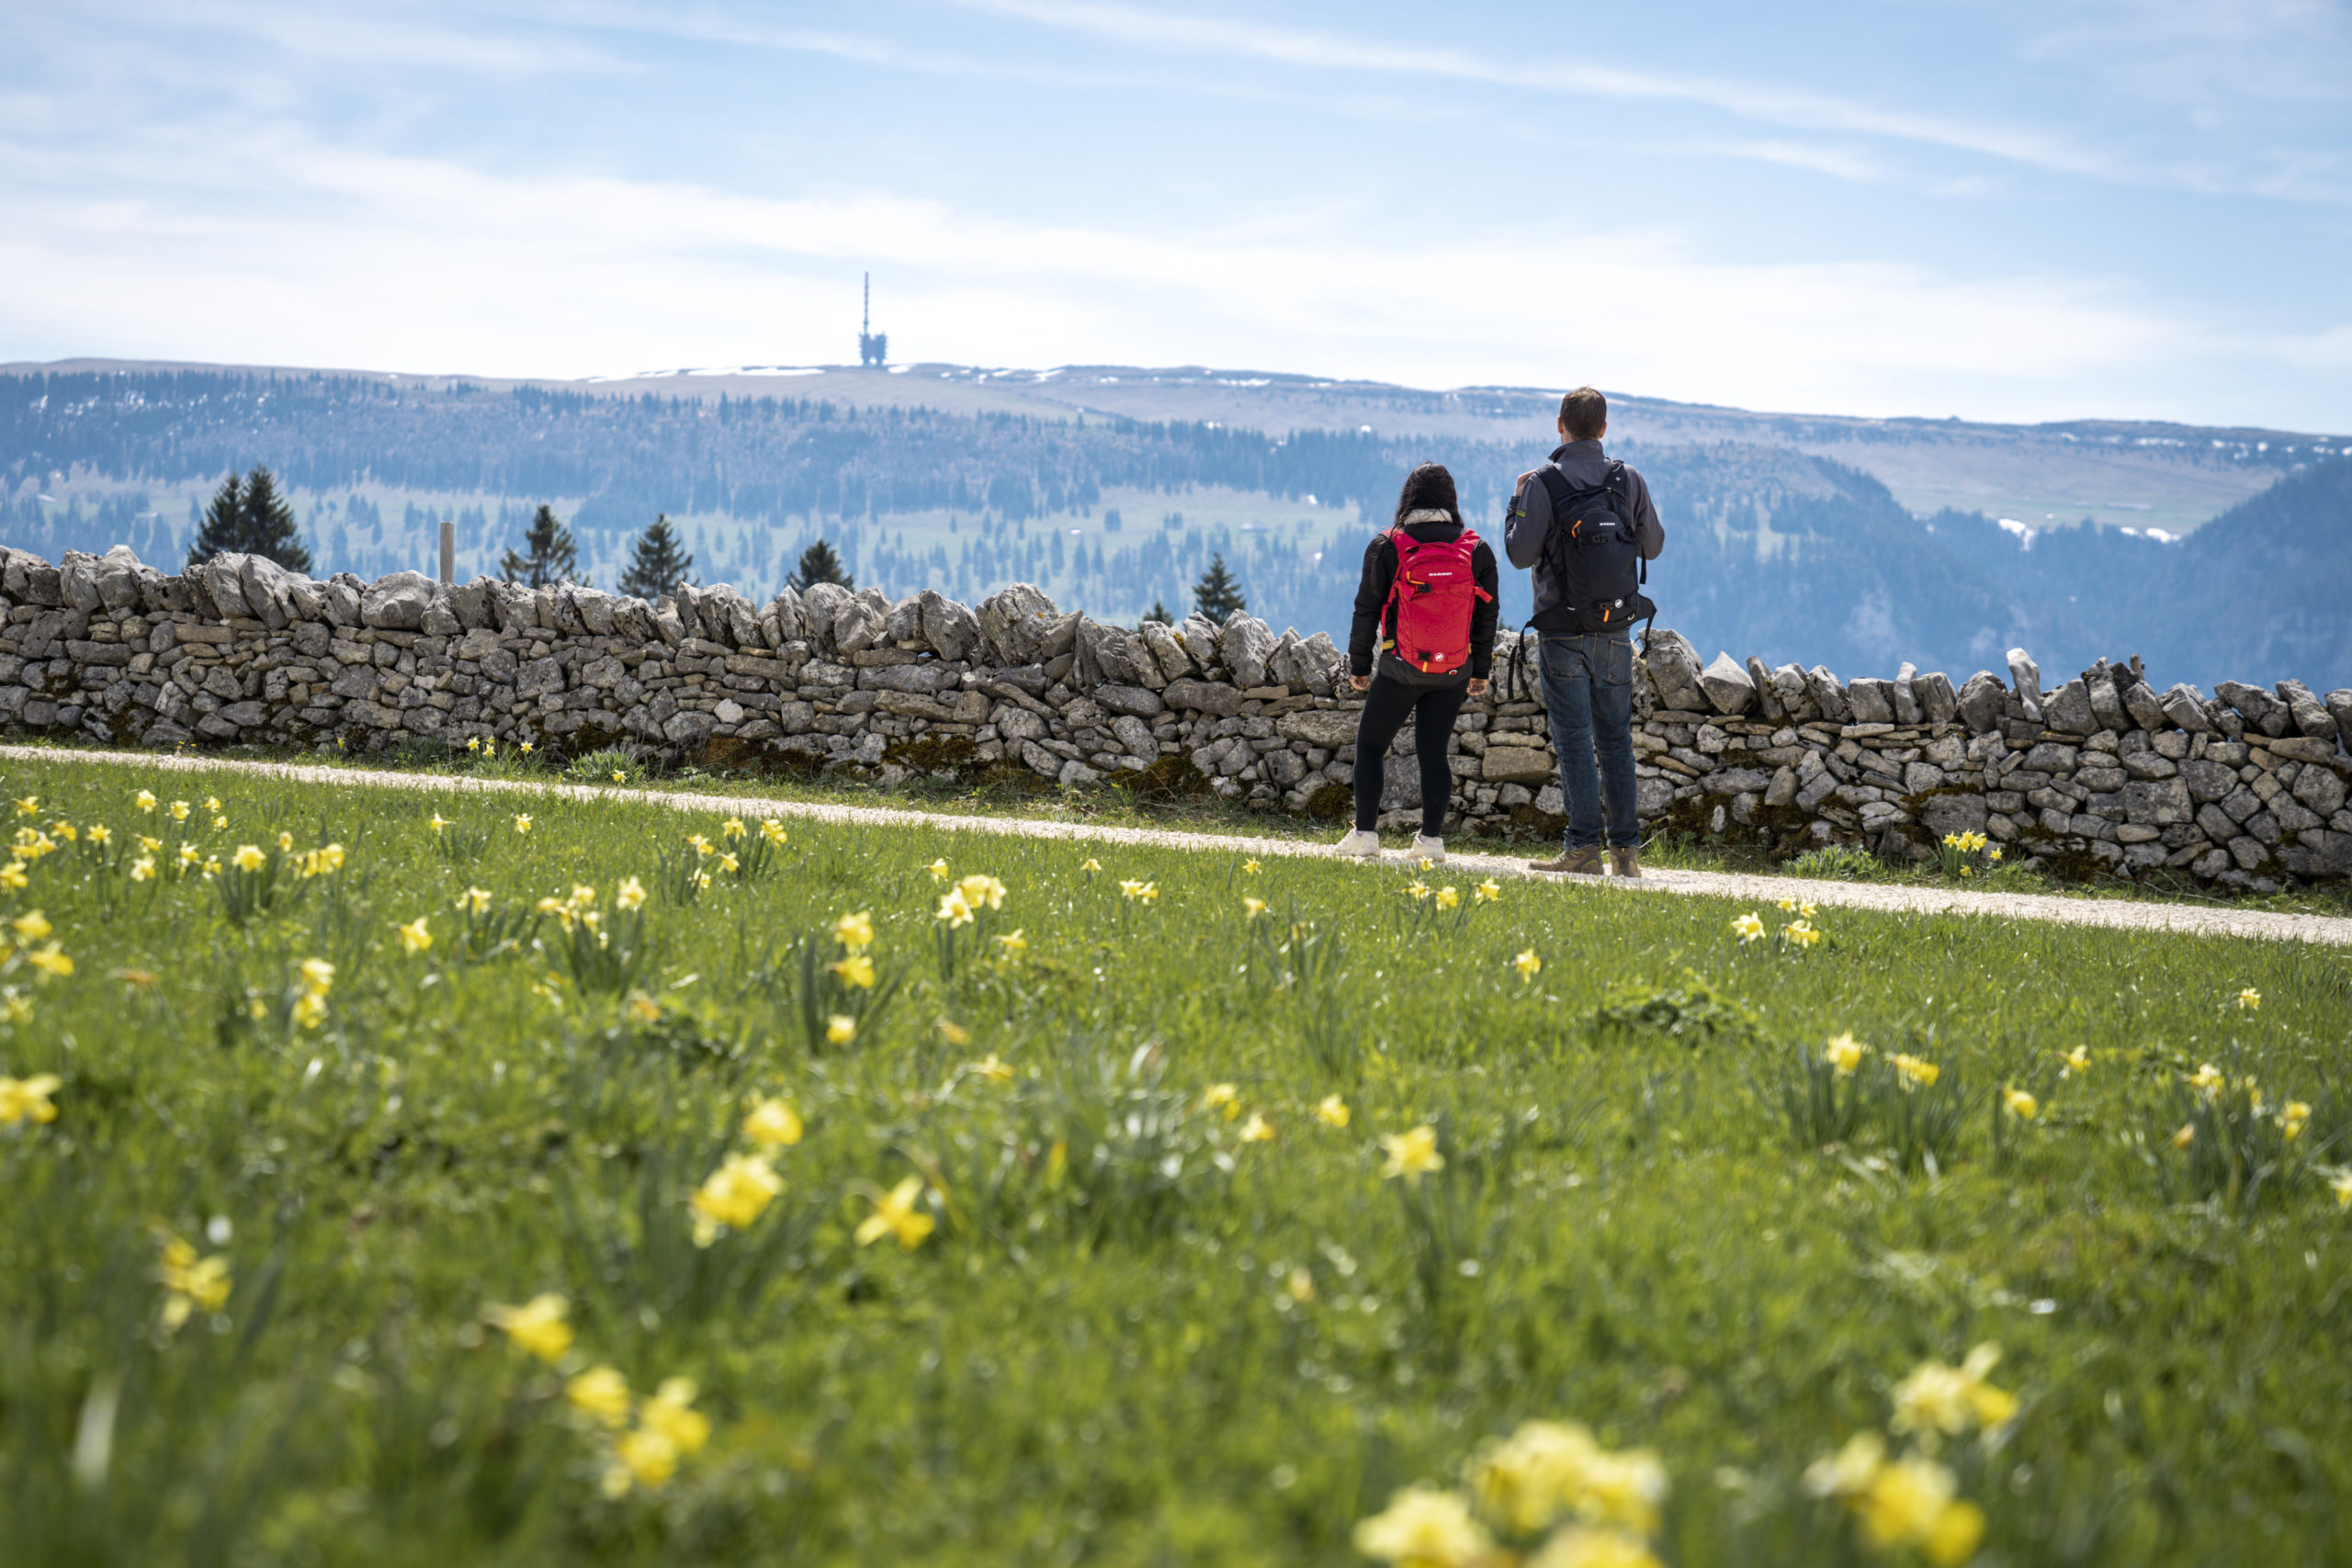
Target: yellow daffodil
pixel 1910 1503
pixel 1528 965
pixel 701 845
pixel 601 1393
pixel 29 1100
pixel 1222 1096
pixel 179 811
pixel 982 892
pixel 474 901
pixel 643 1457
pixel 839 1029
pixel 101 835
pixel 641 1008
pixel 1448 898
pixel 212 802
pixel 953 909
pixel 527 748
pixel 895 1215
pixel 415 937
pixel 50 962
pixel 219 823
pixel 1257 1130
pixel 729 864
pixel 855 930
pixel 1412 1155
pixel 1332 1111
pixel 773 1124
pixel 285 842
pixel 733 1196
pixel 1845 1054
pixel 2077 1060
pixel 143 869
pixel 1012 944
pixel 65 830
pixel 733 829
pixel 249 858
pixel 144 800
pixel 1091 864
pixel 630 895
pixel 13 877
pixel 1912 1071
pixel 310 1010
pixel 619 777
pixel 522 822
pixel 1252 907
pixel 2185 1136
pixel 150 845
pixel 938 869
pixel 1489 891
pixel 953 1033
pixel 30 926
pixel 212 868
pixel 1800 933
pixel 1748 927
pixel 2341 1183
pixel 855 969
pixel 1135 889
pixel 2206 1078
pixel 771 829
pixel 672 1414
pixel 2021 1105
pixel 30 806
pixel 18 1009
pixel 2250 1000
pixel 1416 890
pixel 437 822
pixel 538 1326
pixel 2292 1117
pixel 582 894
pixel 1951 1400
pixel 189 854
pixel 195 1284
pixel 992 1067
pixel 317 974
pixel 1249 868
pixel 1423 1528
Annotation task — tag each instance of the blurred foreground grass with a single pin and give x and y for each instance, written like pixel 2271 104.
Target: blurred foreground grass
pixel 1151 1318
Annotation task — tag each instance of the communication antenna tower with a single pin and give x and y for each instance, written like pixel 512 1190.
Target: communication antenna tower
pixel 873 347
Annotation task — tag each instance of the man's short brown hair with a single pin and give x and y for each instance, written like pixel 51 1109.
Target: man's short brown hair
pixel 1586 413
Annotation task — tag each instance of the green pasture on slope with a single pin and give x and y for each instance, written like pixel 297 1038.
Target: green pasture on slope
pixel 1134 1336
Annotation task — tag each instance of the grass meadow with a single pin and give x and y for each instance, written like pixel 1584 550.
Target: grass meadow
pixel 477 1192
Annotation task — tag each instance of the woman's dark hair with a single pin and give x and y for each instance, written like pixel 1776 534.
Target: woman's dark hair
pixel 1429 488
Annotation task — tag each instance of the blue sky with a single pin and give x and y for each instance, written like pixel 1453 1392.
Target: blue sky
pixel 1997 210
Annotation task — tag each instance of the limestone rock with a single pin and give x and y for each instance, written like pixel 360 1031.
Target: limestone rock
pixel 2309 715
pixel 783 620
pixel 1674 671
pixel 1166 651
pixel 2146 709
pixel 1759 680
pixel 1794 693
pixel 2259 708
pixel 951 629
pixel 820 603
pixel 2069 709
pixel 1978 702
pixel 1827 695
pixel 1518 765
pixel 394 603
pixel 857 626
pixel 2026 676
pixel 2185 705
pixel 1728 688
pixel 1328 727
pixel 1204 697
pixel 1939 704
pixel 2339 708
pixel 1871 700
pixel 1244 646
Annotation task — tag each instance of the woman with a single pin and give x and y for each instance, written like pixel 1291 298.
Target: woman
pixel 1428 599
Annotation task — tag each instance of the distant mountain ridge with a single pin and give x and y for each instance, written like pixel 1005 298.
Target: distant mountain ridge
pixel 1779 544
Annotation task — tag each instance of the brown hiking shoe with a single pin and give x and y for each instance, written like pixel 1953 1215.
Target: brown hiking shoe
pixel 1575 862
pixel 1626 862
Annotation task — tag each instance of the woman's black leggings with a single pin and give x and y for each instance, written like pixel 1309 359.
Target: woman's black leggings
pixel 1433 710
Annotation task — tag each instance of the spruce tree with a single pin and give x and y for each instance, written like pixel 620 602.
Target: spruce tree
pixel 819 563
pixel 553 556
pixel 1218 594
pixel 658 564
pixel 1159 611
pixel 249 517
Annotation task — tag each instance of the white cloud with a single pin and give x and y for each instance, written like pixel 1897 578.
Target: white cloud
pixel 423 265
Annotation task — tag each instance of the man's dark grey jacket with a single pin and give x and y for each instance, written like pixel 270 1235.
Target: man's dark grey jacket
pixel 1530 523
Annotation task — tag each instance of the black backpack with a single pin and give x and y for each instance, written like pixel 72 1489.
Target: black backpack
pixel 1589 551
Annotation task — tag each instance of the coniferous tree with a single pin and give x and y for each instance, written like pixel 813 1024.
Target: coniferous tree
pixel 248 516
pixel 1219 594
pixel 819 563
pixel 1159 611
pixel 553 556
pixel 658 564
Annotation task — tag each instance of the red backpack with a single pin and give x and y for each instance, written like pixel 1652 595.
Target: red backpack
pixel 1431 604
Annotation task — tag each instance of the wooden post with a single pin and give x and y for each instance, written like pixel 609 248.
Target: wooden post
pixel 448 551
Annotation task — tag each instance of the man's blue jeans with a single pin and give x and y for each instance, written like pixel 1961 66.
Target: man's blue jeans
pixel 1589 692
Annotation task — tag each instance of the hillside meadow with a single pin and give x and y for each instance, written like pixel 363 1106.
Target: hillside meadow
pixel 409 1181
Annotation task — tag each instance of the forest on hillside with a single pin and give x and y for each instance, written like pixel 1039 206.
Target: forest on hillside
pixel 1770 551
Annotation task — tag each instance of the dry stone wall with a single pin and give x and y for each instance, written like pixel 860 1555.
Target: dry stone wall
pixel 2103 773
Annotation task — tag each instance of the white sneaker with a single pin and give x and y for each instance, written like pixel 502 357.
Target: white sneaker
pixel 1427 849
pixel 1360 842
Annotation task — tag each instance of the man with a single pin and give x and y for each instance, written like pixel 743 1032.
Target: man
pixel 1586 525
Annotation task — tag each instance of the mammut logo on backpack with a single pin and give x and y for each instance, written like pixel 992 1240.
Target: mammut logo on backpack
pixel 1431 604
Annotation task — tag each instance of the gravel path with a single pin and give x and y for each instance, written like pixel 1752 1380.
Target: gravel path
pixel 1764 892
